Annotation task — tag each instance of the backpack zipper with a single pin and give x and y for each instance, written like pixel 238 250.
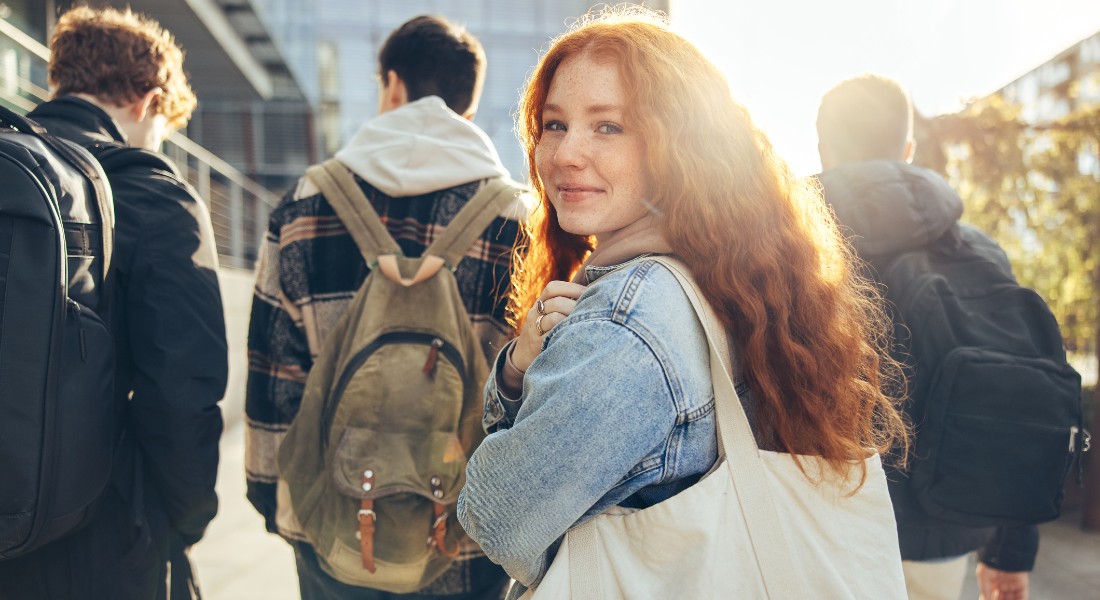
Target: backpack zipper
pixel 1076 433
pixel 433 355
pixel 436 345
pixel 1086 443
pixel 75 309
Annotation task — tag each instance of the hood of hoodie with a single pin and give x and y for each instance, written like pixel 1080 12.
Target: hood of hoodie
pixel 420 147
pixel 890 206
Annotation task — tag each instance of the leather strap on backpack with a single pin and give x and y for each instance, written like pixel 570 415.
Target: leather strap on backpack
pixel 367 518
pixel 378 247
pixel 438 537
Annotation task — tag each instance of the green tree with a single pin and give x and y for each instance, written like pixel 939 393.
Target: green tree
pixel 1036 190
pixel 1071 162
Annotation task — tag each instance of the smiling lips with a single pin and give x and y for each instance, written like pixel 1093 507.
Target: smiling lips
pixel 576 193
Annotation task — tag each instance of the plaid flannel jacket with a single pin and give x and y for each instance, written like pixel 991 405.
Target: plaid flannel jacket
pixel 308 271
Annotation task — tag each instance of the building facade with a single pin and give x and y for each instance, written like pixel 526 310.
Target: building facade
pixel 337 63
pixel 231 62
pixel 1063 84
pixel 283 84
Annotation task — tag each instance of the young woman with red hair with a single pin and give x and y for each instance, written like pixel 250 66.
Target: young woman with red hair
pixel 637 148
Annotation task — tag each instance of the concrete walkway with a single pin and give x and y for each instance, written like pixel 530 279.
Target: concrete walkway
pixel 239 560
pixel 1068 565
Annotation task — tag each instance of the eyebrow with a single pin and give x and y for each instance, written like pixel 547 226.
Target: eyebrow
pixel 594 109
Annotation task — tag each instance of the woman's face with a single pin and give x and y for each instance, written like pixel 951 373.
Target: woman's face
pixel 590 160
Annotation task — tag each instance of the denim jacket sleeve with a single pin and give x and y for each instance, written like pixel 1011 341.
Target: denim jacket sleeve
pixel 594 404
pixel 500 410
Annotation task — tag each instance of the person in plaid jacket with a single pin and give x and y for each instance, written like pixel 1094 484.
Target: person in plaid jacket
pixel 418 162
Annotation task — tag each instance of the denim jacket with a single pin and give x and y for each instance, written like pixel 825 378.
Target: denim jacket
pixel 618 409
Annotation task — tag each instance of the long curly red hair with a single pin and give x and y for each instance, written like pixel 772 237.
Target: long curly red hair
pixel 762 245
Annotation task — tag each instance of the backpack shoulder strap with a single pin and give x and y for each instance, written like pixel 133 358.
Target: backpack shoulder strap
pixel 339 187
pixel 472 220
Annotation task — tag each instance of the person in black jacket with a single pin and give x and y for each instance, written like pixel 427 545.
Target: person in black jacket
pixel 118 81
pixel 887 205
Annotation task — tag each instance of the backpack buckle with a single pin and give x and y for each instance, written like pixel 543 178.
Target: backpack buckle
pixel 438 537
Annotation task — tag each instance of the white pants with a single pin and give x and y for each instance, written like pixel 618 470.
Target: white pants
pixel 938 580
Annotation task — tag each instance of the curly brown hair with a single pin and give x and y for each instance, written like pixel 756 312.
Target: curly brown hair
pixel 118 56
pixel 761 243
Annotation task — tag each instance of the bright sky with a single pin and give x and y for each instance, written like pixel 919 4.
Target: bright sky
pixel 782 55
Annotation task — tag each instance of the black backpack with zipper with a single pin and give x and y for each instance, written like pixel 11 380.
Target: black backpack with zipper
pixel 59 423
pixel 995 405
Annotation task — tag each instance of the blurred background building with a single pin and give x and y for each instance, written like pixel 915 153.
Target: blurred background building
pixel 332 47
pixel 1065 84
pixel 1059 86
pixel 283 84
pixel 232 63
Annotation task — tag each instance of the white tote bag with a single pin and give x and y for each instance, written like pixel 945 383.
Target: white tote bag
pixel 754 527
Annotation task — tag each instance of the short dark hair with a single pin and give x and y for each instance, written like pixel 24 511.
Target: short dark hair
pixel 865 118
pixel 434 57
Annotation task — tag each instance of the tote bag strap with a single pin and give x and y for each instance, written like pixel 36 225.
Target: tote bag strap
pixel 773 554
pixel 584 563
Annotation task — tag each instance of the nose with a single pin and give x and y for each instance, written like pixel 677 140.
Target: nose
pixel 571 150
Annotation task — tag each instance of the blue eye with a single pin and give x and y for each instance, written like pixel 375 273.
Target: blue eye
pixel 609 128
pixel 553 126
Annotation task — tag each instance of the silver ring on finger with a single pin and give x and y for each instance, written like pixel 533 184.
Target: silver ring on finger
pixel 540 307
pixel 538 324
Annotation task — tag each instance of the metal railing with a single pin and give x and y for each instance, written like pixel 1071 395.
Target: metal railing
pixel 239 207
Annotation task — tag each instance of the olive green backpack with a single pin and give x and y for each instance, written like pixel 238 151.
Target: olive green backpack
pixel 373 463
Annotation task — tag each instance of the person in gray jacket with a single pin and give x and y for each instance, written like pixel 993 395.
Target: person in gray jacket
pixel 886 205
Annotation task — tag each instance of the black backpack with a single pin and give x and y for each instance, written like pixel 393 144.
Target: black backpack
pixel 59 423
pixel 995 405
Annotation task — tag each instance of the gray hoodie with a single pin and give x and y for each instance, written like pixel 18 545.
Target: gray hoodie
pixel 420 147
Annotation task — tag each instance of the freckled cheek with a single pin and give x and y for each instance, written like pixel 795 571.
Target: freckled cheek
pixel 544 155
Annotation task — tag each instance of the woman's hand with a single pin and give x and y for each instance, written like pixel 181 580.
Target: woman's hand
pixel 554 304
